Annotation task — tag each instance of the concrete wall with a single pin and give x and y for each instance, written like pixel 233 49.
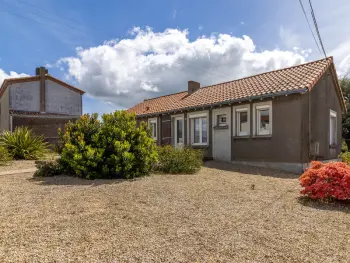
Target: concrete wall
pixel 25 96
pixel 62 100
pixel 4 107
pixel 323 98
pixel 284 145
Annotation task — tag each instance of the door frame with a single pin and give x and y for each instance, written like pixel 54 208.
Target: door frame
pixel 228 112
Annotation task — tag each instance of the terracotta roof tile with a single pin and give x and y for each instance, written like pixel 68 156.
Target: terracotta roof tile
pixel 291 79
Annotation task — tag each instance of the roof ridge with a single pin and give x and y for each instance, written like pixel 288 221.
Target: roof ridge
pixel 164 96
pixel 275 70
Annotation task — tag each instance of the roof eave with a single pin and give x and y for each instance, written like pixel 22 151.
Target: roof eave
pixel 228 102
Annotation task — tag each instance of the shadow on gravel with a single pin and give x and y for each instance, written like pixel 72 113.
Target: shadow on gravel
pixel 342 206
pixel 70 180
pixel 250 170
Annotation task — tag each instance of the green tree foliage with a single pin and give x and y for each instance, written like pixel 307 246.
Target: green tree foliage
pixel 345 86
pixel 111 148
pixel 23 144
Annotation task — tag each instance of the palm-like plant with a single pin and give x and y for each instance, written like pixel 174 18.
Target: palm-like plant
pixel 23 144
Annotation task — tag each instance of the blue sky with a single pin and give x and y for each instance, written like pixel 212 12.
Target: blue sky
pixel 82 45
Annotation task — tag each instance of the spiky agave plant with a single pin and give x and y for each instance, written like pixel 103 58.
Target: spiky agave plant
pixel 23 144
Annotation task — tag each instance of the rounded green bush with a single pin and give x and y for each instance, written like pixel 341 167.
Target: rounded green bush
pixel 4 156
pixel 111 148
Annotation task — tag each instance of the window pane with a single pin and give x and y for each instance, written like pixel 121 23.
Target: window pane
pixel 264 120
pixel 154 130
pixel 196 130
pixel 243 122
pixel 204 130
pixel 179 131
pixel 333 130
pixel 221 120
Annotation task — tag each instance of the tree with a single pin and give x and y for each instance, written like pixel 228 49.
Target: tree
pixel 345 86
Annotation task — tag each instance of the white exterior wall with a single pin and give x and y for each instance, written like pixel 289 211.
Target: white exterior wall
pixel 25 96
pixel 60 99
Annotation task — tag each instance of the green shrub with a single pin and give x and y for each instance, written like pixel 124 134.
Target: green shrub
pixel 344 146
pixel 179 160
pixel 111 148
pixel 47 168
pixel 4 156
pixel 345 157
pixel 23 144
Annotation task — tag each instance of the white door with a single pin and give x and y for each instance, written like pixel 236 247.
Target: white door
pixel 179 131
pixel 222 134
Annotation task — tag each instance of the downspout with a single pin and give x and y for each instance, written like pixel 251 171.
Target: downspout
pixel 309 126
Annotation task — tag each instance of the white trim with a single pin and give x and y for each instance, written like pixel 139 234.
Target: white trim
pixel 333 114
pixel 198 114
pixel 179 117
pixel 238 109
pixel 262 106
pixel 153 120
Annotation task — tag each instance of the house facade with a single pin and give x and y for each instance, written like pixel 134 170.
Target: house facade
pixel 280 119
pixel 42 103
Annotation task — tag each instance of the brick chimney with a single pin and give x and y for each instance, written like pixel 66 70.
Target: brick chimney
pixel 193 86
pixel 42 71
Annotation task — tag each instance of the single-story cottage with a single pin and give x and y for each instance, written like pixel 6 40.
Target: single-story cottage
pixel 280 119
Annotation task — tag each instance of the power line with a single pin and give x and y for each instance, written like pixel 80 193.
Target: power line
pixel 222 75
pixel 307 20
pixel 316 27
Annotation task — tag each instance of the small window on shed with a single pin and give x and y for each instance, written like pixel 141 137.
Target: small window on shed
pixel 222 120
pixel 332 127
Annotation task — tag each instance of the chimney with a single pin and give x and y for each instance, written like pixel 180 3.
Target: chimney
pixel 193 86
pixel 42 72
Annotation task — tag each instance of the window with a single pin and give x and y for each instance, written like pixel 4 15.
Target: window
pixel 332 128
pixel 241 119
pixel 221 120
pixel 152 124
pixel 179 131
pixel 199 130
pixel 263 118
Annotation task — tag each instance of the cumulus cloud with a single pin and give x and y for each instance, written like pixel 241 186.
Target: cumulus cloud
pixel 150 64
pixel 12 74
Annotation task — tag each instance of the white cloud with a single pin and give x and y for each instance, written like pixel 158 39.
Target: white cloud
pixel 12 74
pixel 151 64
pixel 242 23
pixel 200 28
pixel 289 38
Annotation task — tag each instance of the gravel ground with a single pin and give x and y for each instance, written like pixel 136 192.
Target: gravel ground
pixel 231 214
pixel 17 165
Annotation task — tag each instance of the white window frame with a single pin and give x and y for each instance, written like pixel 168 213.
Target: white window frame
pixel 150 121
pixel 204 114
pixel 236 110
pixel 221 124
pixel 176 118
pixel 333 114
pixel 256 121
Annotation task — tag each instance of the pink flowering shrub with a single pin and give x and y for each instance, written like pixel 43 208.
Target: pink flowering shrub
pixel 326 181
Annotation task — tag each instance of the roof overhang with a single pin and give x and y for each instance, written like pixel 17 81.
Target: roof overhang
pixel 229 102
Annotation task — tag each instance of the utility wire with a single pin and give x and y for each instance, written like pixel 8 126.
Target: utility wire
pixel 307 20
pixel 316 27
pixel 222 75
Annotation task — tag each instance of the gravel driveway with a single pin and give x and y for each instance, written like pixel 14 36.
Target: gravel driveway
pixel 224 213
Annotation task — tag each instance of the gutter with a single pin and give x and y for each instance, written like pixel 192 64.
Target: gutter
pixel 229 102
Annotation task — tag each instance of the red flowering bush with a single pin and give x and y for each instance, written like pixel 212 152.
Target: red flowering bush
pixel 326 181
